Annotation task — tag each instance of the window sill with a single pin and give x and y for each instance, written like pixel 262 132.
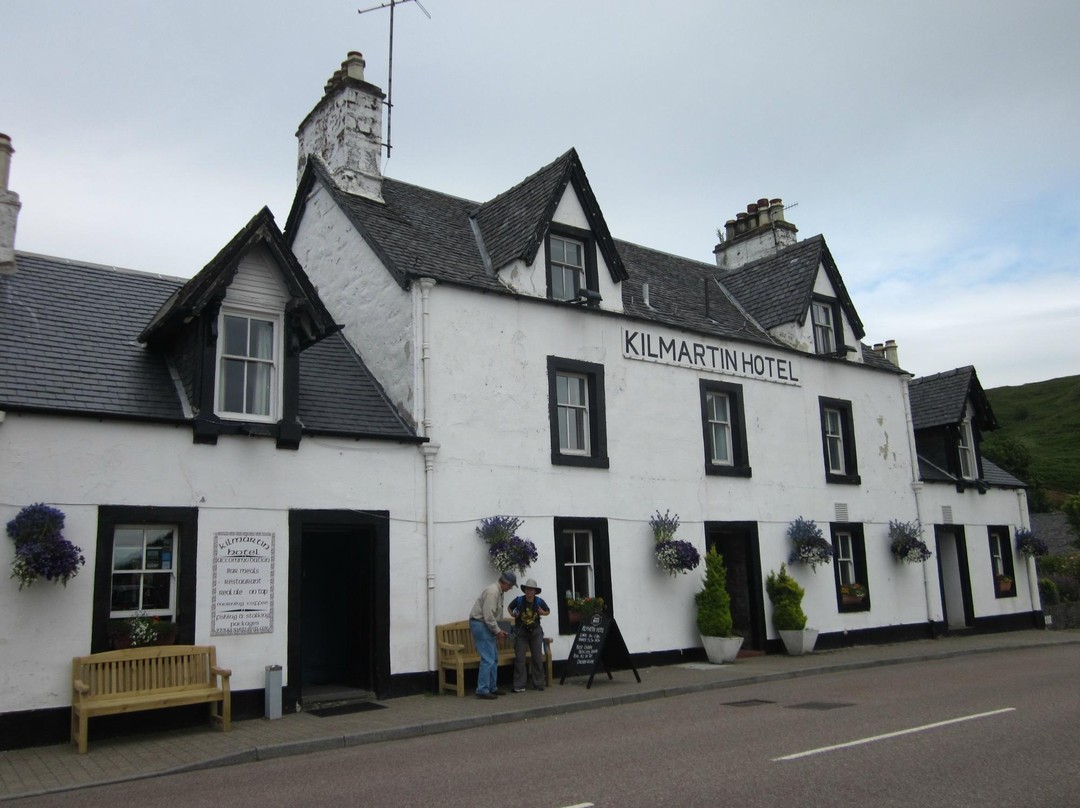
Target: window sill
pixel 728 471
pixel 843 479
pixel 581 461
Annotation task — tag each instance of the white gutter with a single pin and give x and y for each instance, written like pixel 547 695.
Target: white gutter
pixel 929 582
pixel 429 450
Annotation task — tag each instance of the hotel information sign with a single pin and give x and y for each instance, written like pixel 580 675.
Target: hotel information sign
pixel 243 588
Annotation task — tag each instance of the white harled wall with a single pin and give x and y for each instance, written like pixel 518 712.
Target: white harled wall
pixel 241 484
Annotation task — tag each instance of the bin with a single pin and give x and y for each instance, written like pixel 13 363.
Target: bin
pixel 272 693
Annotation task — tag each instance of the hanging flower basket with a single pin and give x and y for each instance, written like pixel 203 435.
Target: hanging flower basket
pixel 811 548
pixel 674 556
pixel 41 551
pixel 905 541
pixel 1029 544
pixel 507 550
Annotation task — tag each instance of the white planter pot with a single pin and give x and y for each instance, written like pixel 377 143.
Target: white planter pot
pixel 721 649
pixel 797 643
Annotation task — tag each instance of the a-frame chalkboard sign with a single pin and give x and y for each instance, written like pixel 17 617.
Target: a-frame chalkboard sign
pixel 598 643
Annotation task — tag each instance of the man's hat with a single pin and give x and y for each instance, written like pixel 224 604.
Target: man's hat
pixel 509 577
pixel 531 584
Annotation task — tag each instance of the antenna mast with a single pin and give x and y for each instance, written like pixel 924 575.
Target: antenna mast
pixel 390 68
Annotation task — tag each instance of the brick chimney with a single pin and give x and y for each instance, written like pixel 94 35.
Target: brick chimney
pixel 344 131
pixel 9 209
pixel 758 233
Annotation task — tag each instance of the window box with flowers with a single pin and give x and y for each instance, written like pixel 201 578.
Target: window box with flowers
pixel 853 594
pixel 905 541
pixel 674 556
pixel 41 551
pixel 579 609
pixel 140 630
pixel 507 550
pixel 1004 583
pixel 811 548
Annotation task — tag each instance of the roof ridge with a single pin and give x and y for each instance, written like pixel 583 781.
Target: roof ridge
pixel 92 265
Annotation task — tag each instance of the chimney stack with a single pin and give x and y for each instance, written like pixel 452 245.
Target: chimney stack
pixel 344 131
pixel 759 232
pixel 9 209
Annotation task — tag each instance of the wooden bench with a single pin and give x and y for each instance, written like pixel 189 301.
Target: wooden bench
pixel 457 653
pixel 147 678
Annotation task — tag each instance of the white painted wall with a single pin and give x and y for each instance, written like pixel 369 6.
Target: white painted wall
pixel 241 484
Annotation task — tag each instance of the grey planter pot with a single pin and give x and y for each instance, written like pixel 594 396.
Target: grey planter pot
pixel 797 643
pixel 721 649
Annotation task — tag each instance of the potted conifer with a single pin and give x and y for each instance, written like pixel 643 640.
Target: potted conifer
pixel 714 612
pixel 788 617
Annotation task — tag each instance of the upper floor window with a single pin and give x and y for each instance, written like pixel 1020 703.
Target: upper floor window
pixel 571 265
pixel 825 319
pixel 724 426
pixel 966 448
pixel 838 441
pixel 576 409
pixel 567 267
pixel 248 367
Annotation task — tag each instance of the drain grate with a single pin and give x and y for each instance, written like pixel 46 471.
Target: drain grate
pixel 819 705
pixel 346 709
pixel 747 703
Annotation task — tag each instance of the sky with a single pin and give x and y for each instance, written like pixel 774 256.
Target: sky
pixel 933 144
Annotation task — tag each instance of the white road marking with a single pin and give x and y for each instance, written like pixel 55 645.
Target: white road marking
pixel 581 805
pixel 893 734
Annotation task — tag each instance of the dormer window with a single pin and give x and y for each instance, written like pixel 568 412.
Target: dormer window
pixel 249 366
pixel 825 319
pixel 965 447
pixel 567 267
pixel 571 265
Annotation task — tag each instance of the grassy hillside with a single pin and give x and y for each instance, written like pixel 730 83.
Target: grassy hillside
pixel 1045 417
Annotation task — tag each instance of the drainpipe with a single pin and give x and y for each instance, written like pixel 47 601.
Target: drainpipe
pixel 429 450
pixel 1029 561
pixel 929 587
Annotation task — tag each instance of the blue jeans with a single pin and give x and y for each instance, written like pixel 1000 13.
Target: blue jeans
pixel 487 678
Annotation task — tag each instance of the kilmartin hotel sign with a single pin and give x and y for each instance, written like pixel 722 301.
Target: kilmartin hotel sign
pixel 709 356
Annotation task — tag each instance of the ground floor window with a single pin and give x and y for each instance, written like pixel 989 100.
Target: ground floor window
pixel 1001 561
pixel 146 563
pixel 849 567
pixel 582 566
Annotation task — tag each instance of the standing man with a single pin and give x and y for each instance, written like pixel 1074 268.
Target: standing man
pixel 527 610
pixel 483 623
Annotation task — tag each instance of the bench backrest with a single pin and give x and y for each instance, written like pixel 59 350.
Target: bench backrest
pixel 145 670
pixel 459 633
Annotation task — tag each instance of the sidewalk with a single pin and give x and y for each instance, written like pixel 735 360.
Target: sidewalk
pixel 26 772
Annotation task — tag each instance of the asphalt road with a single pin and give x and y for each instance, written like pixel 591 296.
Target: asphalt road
pixel 988 729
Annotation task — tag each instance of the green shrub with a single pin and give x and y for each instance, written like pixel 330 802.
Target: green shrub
pixel 1048 592
pixel 713 601
pixel 1068 566
pixel 786 596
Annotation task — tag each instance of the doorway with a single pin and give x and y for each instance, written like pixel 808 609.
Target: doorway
pixel 737 542
pixel 954 578
pixel 339 637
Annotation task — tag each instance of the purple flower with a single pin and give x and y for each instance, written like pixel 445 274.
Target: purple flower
pixel 676 555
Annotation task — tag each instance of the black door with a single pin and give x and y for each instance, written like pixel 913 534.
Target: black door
pixel 737 542
pixel 337 608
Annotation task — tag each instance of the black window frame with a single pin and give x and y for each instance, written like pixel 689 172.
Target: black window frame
pixel 588 242
pixel 601 549
pixel 594 376
pixel 1008 568
pixel 847 426
pixel 740 455
pixel 858 561
pixel 187 522
pixel 837 324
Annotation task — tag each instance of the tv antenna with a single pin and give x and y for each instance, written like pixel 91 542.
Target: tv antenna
pixel 390 68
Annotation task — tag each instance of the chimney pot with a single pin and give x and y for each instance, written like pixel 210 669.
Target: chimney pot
pixel 9 209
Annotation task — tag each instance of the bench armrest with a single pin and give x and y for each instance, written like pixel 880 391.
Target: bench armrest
pixel 224 673
pixel 80 687
pixel 456 648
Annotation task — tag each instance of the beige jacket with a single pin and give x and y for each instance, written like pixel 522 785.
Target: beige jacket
pixel 489 607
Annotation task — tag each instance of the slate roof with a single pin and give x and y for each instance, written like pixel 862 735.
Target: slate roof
pixel 417 232
pixel 778 289
pixel 941 399
pixel 68 344
pixel 992 475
